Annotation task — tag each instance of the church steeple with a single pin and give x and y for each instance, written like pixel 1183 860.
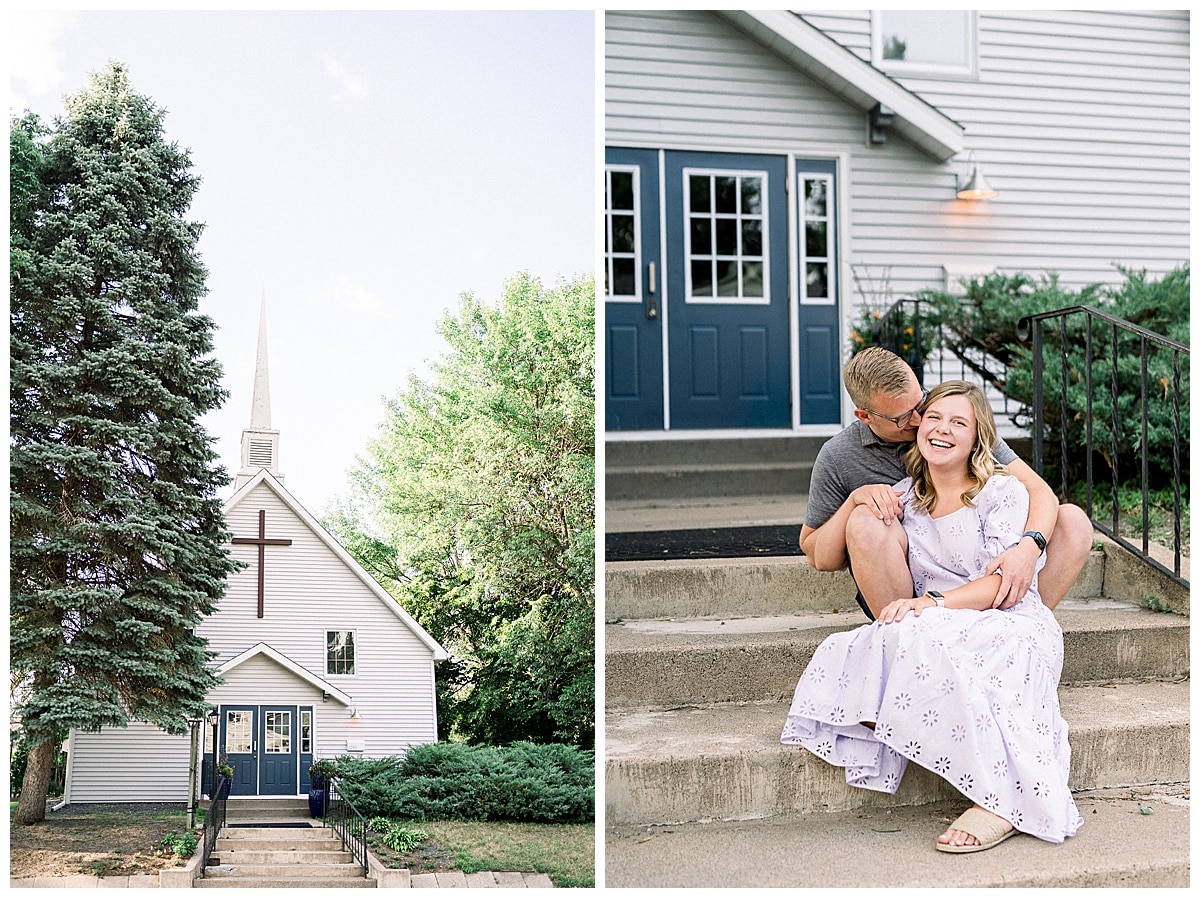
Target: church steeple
pixel 260 444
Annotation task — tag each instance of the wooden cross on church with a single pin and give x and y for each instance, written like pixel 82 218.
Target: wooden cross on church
pixel 262 542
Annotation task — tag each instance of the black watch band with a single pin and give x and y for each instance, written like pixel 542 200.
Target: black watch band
pixel 1037 538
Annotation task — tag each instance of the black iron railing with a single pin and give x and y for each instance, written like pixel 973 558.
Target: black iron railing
pixel 1130 355
pixel 347 822
pixel 916 334
pixel 214 820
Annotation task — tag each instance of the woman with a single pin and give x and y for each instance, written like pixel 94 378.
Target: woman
pixel 941 678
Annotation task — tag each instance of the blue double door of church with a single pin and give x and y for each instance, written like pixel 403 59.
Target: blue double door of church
pixel 269 748
pixel 721 297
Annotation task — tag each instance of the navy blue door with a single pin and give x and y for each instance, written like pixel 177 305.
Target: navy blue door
pixel 239 741
pixel 818 290
pixel 279 750
pixel 633 368
pixel 727 290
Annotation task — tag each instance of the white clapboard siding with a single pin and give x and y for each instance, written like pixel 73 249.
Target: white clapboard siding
pixel 308 590
pixel 1079 118
pixel 310 586
pixel 138 762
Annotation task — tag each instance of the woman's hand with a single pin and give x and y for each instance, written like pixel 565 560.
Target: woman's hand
pixel 894 612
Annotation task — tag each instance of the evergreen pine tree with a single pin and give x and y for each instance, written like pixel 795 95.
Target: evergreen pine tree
pixel 117 534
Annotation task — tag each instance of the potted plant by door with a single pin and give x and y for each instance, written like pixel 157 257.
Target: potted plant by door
pixel 319 775
pixel 225 769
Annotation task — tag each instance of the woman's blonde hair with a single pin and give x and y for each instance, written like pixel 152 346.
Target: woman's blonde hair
pixel 981 464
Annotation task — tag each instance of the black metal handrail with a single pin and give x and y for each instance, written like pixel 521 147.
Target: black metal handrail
pixel 924 342
pixel 347 822
pixel 1031 329
pixel 214 820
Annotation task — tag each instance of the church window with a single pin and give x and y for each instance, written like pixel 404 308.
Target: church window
pixel 239 732
pixel 278 731
pixel 622 271
pixel 339 652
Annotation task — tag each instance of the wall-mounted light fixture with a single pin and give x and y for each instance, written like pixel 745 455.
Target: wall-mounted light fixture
pixel 975 188
pixel 354 714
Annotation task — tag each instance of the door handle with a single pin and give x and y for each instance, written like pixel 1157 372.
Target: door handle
pixel 651 301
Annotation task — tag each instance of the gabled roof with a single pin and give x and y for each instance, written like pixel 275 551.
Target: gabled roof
pixel 860 84
pixel 264 477
pixel 287 663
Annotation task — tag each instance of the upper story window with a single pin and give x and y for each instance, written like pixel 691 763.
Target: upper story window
pixel 937 43
pixel 339 652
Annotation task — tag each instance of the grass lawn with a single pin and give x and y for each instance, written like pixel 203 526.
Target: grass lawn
pixel 564 852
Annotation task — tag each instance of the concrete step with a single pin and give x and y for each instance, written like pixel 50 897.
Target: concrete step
pixel 740 587
pixel 299 834
pixel 275 869
pixel 725 762
pixel 1129 839
pixel 281 855
pixel 275 804
pixel 622 454
pixel 226 845
pixel 688 481
pixel 703 660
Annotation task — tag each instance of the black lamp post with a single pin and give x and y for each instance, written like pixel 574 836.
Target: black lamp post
pixel 214 718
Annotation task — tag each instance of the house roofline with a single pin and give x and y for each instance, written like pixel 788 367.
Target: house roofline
pixel 862 85
pixel 389 601
pixel 288 664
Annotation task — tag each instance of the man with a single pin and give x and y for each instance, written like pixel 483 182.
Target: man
pixel 853 512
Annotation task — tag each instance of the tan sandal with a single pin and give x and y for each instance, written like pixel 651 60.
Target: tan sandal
pixel 987 828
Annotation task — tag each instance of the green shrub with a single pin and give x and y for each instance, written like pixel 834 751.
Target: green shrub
pixel 182 845
pixel 985 320
pixel 455 781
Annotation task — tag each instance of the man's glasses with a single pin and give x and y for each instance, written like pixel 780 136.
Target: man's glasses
pixel 906 417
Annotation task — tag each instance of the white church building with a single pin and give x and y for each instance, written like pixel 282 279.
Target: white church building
pixel 317 659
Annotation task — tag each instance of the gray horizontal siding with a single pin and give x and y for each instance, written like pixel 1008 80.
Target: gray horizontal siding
pixel 1081 119
pixel 309 590
pixel 139 762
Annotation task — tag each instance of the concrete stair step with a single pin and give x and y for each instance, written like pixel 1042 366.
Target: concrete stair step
pixel 245 869
pixel 716 587
pixel 707 479
pixel 620 454
pixel 226 845
pixel 704 660
pixel 1119 845
pixel 307 834
pixel 255 856
pixel 725 762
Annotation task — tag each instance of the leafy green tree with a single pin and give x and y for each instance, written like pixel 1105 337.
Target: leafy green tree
pixel 117 534
pixel 475 506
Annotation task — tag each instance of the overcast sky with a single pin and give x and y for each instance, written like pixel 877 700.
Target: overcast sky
pixel 360 169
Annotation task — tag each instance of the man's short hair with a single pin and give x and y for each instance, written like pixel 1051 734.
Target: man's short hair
pixel 875 370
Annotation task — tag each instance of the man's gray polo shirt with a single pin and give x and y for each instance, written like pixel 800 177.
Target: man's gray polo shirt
pixel 854 458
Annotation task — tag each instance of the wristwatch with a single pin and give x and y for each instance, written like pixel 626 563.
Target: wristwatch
pixel 1037 538
pixel 938 598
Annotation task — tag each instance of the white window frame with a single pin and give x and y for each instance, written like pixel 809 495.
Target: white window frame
pixel 325 651
pixel 243 714
pixel 609 253
pixel 267 731
pixel 763 300
pixel 306 714
pixel 830 257
pixel 903 67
